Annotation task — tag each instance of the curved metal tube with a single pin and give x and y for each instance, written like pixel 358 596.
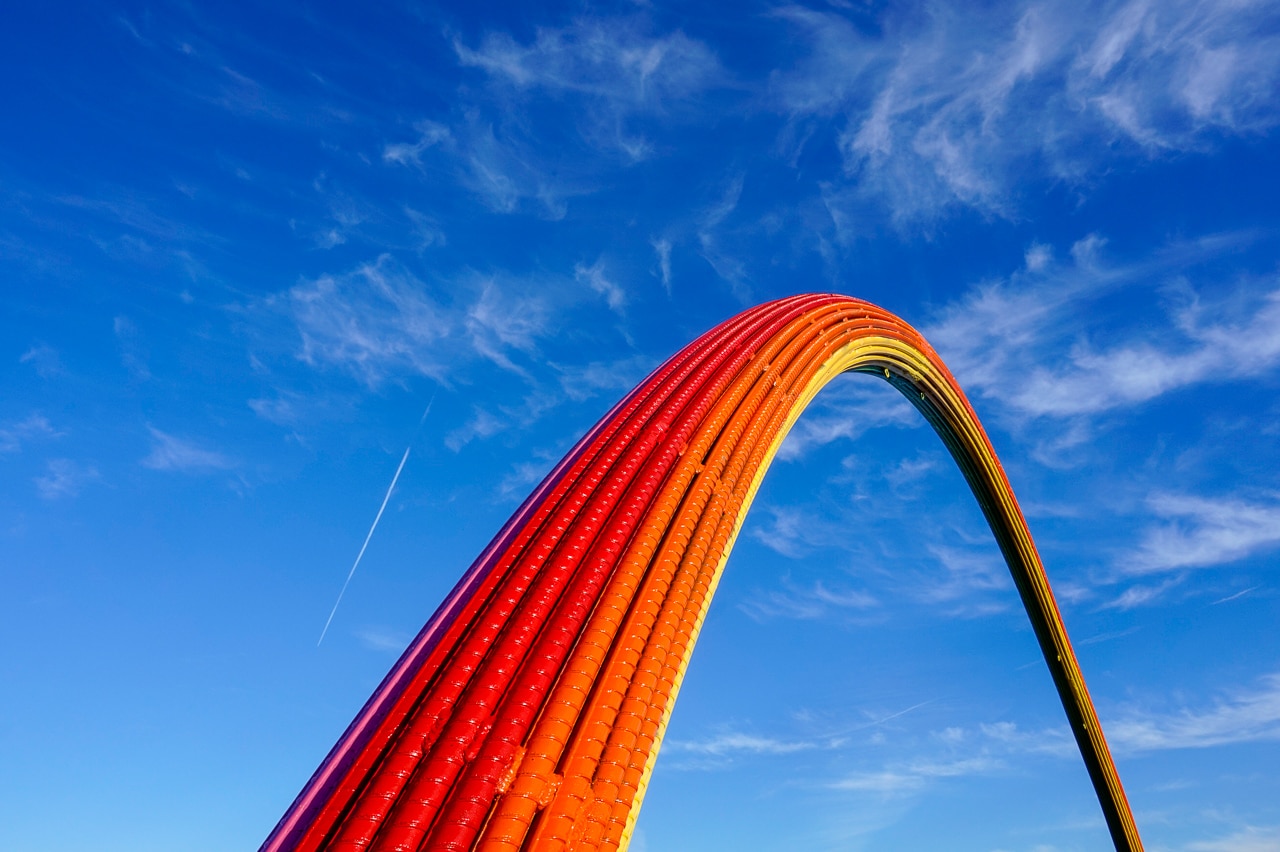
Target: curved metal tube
pixel 528 713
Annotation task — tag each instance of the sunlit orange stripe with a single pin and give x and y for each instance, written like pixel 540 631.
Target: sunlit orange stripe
pixel 802 360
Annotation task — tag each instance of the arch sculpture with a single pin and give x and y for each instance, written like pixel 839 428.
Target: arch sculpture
pixel 528 712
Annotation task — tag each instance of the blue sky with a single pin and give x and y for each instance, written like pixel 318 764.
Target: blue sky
pixel 242 248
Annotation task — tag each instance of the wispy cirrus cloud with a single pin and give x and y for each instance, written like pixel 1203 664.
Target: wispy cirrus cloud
pixel 1202 349
pixel 34 427
pixel 834 73
pixel 1240 716
pixel 1193 532
pixel 818 600
pixel 583 381
pixel 283 408
pixel 383 640
pixel 500 166
pixel 1011 739
pixel 44 359
pixel 430 134
pixel 732 743
pixel 951 108
pixel 726 264
pixel 1024 342
pixel 138 216
pixel 373 321
pixel 380 321
pixel 481 424
pixel 182 455
pixel 614 60
pixel 1199 532
pixel 788 530
pixel 845 410
pixel 1248 839
pixel 1141 594
pixel 971 582
pixel 500 322
pixel 957 578
pixel 525 474
pixel 662 249
pixel 611 85
pixel 615 66
pixel 911 776
pixel 594 276
pixel 486 422
pixel 133 351
pixel 64 478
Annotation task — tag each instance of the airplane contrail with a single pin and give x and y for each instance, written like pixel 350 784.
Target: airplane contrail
pixel 374 526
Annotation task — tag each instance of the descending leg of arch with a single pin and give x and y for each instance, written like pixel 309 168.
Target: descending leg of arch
pixel 529 713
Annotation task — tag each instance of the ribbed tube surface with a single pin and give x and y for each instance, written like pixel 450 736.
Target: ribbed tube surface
pixel 528 713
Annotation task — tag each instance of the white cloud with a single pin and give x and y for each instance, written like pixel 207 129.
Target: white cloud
pixel 1024 342
pixel 506 170
pixel 1242 717
pixel 986 336
pixel 912 776
pixel 380 322
pixel 726 744
pixel 612 61
pixel 1140 595
pixel 281 410
pixel 1248 839
pixel 1038 256
pixel 726 264
pixel 425 228
pixel 968 575
pixel 615 297
pixel 846 409
pixel 430 134
pixel 789 530
pixel 483 424
pixel 171 453
pixel 833 73
pixel 1175 69
pixel 1057 742
pixel 961 581
pixel 603 76
pixel 1201 532
pixel 374 322
pixel 1096 380
pixel 957 107
pixel 132 351
pixel 591 379
pixel 64 478
pixel 499 322
pixel 33 427
pixel 498 165
pixel 662 248
pixel 816 601
pixel 907 472
pixel 381 639
pixel 523 476
pixel 44 359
